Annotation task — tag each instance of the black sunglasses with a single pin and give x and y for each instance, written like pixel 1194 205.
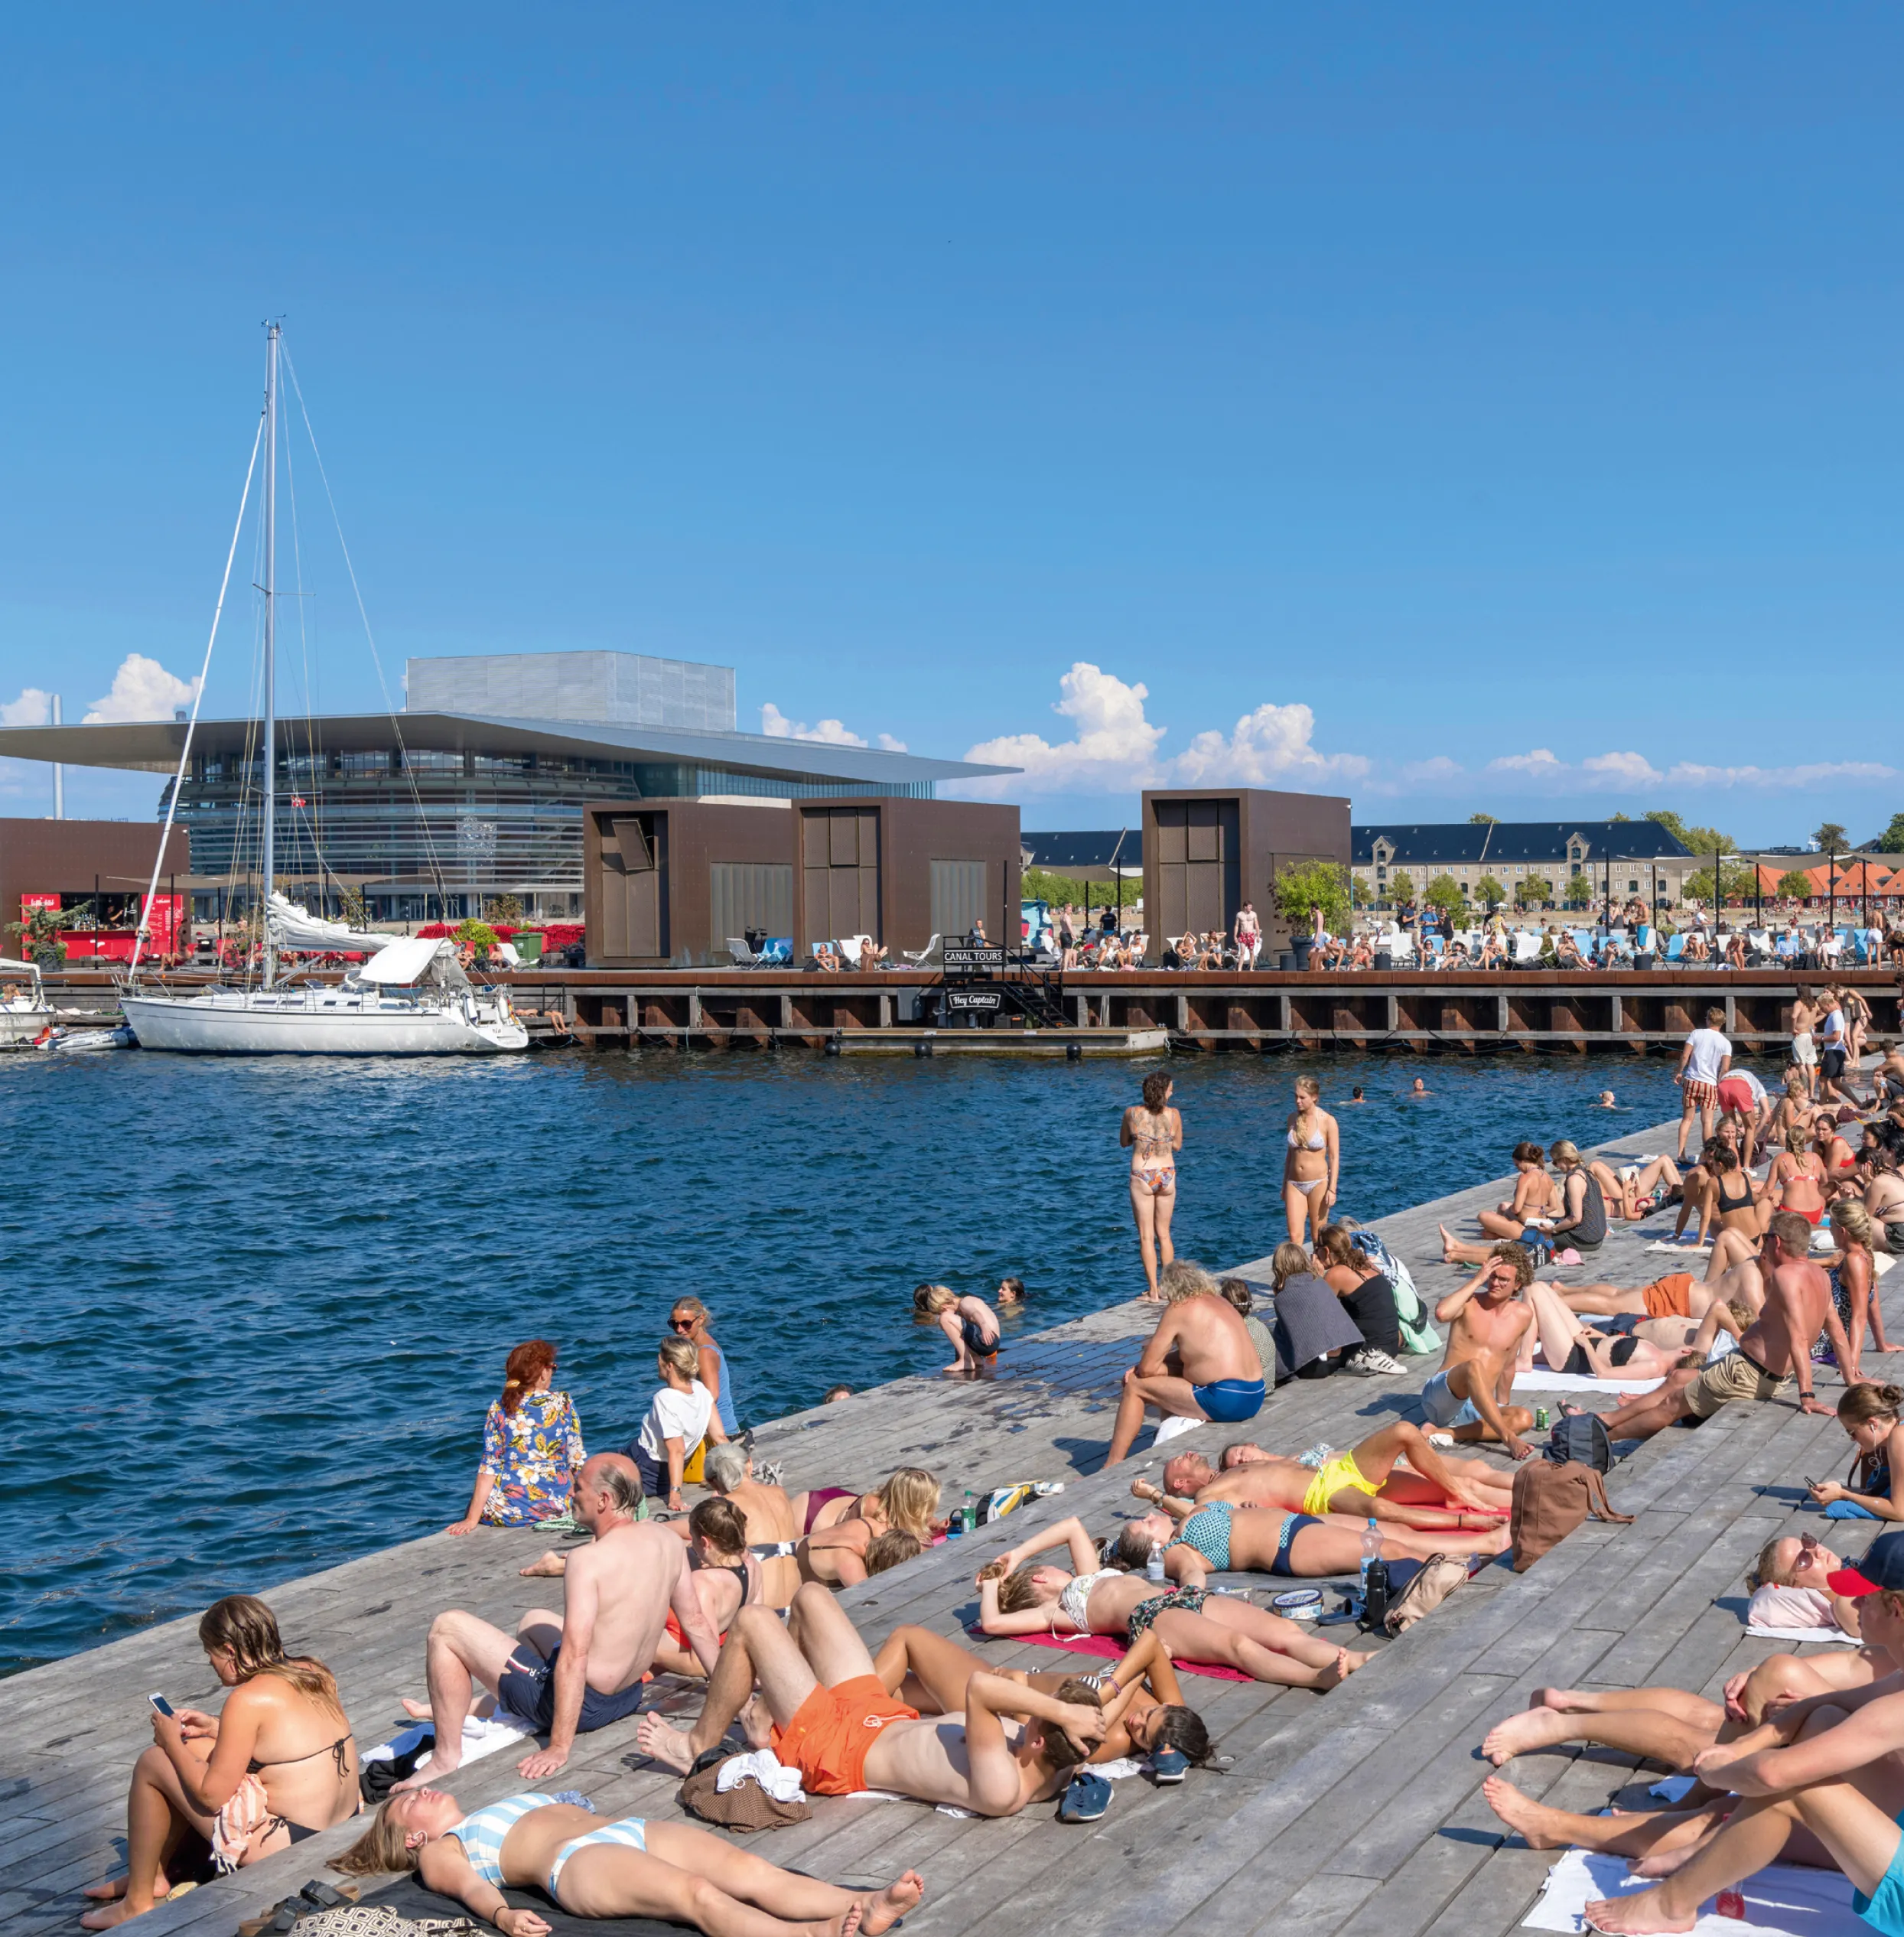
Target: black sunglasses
pixel 681 1324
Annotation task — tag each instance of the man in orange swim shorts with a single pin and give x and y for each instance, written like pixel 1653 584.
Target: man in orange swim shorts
pixel 1677 1295
pixel 832 1720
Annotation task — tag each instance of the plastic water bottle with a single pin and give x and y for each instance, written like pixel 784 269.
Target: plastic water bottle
pixel 1371 1553
pixel 971 1512
pixel 1154 1567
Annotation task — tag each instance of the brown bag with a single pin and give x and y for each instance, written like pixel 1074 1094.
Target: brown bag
pixel 1549 1502
pixel 746 1806
pixel 1439 1576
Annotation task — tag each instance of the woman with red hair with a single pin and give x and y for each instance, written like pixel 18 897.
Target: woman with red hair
pixel 532 1447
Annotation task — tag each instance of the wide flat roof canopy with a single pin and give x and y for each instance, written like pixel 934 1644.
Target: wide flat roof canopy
pixel 154 746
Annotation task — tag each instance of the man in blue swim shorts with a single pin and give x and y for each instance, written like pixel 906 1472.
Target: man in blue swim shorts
pixel 1833 1764
pixel 1200 1363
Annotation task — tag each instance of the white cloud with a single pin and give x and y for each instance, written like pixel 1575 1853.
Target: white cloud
pixel 1114 750
pixel 1440 768
pixel 1273 743
pixel 33 708
pixel 1624 771
pixel 1621 770
pixel 142 689
pixel 1540 763
pixel 1115 747
pixel 1851 773
pixel 831 733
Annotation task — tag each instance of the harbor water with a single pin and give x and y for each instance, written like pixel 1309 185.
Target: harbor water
pixel 259 1307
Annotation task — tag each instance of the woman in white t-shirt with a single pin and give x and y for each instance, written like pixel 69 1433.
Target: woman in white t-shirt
pixel 680 1417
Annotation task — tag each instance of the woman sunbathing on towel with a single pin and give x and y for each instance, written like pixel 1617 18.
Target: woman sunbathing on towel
pixel 1368 1483
pixel 929 1673
pixel 1014 1598
pixel 631 1868
pixel 1573 1350
pixel 1219 1537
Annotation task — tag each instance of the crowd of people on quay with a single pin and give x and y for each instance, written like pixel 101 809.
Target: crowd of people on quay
pixel 1423 935
pixel 740 1594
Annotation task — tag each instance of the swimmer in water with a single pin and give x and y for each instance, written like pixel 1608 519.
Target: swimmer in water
pixel 1419 1088
pixel 1606 1100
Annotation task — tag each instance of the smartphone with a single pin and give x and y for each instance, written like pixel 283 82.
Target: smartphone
pixel 159 1702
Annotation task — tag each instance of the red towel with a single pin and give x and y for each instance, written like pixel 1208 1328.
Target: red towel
pixel 1107 1647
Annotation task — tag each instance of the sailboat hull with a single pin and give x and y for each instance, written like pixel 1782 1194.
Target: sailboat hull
pixel 309 1022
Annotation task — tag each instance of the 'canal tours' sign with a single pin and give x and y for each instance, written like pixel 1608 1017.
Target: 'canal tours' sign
pixel 973 957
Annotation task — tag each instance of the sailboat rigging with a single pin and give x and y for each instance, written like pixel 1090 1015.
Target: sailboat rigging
pixel 410 997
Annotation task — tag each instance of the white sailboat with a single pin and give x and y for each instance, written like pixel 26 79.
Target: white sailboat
pixel 410 998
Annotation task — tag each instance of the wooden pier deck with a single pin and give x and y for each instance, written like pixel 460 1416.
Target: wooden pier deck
pixel 1357 1814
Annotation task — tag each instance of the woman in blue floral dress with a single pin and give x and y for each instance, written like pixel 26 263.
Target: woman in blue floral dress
pixel 532 1447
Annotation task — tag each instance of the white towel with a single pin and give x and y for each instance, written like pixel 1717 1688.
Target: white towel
pixel 767 1768
pixel 482 1735
pixel 1540 1380
pixel 1667 1244
pixel 1169 1426
pixel 1802 1634
pixel 1782 1901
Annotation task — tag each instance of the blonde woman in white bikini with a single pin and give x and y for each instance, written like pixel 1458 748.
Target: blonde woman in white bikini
pixel 1312 1165
pixel 1152 1132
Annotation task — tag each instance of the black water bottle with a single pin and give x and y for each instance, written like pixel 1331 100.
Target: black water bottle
pixel 1374 1612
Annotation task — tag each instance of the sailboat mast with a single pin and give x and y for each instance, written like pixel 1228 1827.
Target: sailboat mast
pixel 271 639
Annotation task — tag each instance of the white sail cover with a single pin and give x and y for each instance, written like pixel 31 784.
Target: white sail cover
pixel 295 931
pixel 415 958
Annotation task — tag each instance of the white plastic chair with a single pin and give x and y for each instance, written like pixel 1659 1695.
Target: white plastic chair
pixel 919 958
pixel 1527 947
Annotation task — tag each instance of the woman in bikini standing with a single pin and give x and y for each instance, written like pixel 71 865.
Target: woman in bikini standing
pixel 1152 1132
pixel 1312 1165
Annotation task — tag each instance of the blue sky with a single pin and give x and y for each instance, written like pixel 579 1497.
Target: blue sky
pixel 1458 408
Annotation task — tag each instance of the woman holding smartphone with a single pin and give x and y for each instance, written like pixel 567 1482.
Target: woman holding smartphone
pixel 276 1765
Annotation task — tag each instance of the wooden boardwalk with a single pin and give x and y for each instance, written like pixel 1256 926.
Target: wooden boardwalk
pixel 1357 1814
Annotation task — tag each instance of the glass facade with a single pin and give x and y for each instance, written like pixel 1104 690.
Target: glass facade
pixel 423 833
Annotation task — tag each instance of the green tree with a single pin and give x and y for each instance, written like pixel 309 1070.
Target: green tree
pixel 1401 886
pixel 1484 820
pixel 1740 884
pixel 476 935
pixel 1489 892
pixel 39 932
pixel 352 909
pixel 1891 842
pixel 1624 817
pixel 1444 891
pixel 1305 886
pixel 1831 838
pixel 1795 884
pixel 1360 893
pixel 506 909
pixel 1700 840
pixel 1579 891
pixel 1532 890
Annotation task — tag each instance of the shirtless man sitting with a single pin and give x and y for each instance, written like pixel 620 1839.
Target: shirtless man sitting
pixel 1222 1377
pixel 1468 1397
pixel 833 1720
pixel 1774 1353
pixel 580 1669
pixel 1368 1483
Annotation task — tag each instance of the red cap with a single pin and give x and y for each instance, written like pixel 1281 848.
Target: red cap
pixel 1851 1584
